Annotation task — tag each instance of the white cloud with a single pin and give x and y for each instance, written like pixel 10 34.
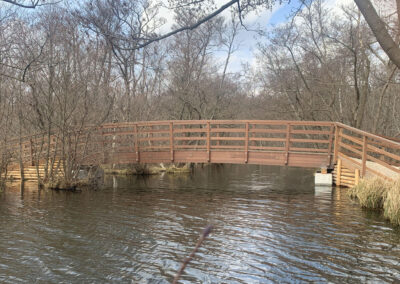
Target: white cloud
pixel 247 39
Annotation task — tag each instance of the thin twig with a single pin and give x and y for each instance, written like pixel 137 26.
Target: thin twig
pixel 33 5
pixel 203 236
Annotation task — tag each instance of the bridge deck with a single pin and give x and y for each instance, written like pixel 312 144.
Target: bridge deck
pixel 295 159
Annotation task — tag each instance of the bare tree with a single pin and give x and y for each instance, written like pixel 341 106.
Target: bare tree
pixel 379 28
pixel 122 24
pixel 314 69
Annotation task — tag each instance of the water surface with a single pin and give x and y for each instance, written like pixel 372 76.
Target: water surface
pixel 271 226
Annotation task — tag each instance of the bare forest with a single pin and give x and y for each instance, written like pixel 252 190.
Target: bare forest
pixel 68 66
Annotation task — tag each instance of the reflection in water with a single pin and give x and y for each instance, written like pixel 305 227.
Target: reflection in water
pixel 271 225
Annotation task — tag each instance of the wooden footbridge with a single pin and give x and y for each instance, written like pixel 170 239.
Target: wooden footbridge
pixel 352 152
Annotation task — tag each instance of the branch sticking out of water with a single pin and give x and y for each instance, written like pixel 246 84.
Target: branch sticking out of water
pixel 203 236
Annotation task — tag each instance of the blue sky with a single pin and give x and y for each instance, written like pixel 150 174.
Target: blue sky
pixel 248 40
pixel 281 14
pixel 266 20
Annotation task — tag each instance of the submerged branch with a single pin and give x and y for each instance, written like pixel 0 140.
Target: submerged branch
pixel 203 236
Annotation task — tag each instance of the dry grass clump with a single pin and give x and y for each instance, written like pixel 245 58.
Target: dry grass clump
pixel 377 193
pixel 371 193
pixel 391 206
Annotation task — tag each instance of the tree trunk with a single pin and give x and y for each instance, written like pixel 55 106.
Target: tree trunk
pixel 379 29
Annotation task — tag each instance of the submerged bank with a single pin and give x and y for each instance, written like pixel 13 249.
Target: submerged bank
pixel 145 169
pixel 379 194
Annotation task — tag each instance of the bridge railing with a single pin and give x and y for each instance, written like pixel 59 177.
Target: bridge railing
pixel 298 143
pixel 128 140
pixel 369 153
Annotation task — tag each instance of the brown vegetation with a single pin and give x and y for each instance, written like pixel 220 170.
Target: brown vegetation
pixel 371 193
pixel 391 205
pixel 377 193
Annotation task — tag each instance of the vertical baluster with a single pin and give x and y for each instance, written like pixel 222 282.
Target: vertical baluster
pixel 171 140
pixel 287 143
pixel 218 135
pixel 331 133
pixel 364 156
pixel 136 130
pixel 336 145
pixel 208 142
pixel 103 146
pixel 32 160
pixel 246 143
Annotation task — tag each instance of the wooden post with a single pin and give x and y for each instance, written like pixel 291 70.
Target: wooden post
pixel 114 137
pixel 246 144
pixel 336 145
pixel 171 140
pixel 364 156
pixel 287 143
pixel 218 135
pixel 208 142
pixel 103 145
pixel 32 161
pixel 149 137
pixel 137 143
pixel 331 132
pixel 339 172
pixel 356 176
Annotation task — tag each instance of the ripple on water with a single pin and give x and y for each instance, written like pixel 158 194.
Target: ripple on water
pixel 270 226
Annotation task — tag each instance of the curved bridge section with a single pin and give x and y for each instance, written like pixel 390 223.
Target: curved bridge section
pixel 292 143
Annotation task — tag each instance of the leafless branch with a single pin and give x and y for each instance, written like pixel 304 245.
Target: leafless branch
pixel 190 27
pixel 203 236
pixel 34 3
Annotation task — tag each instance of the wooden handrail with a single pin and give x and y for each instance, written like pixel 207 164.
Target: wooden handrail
pixel 367 134
pixel 359 144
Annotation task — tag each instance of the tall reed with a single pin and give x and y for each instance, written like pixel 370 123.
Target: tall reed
pixel 371 193
pixel 391 206
pixel 377 193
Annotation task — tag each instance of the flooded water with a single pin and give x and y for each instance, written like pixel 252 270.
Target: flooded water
pixel 271 226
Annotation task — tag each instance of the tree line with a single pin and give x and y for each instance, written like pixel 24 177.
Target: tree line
pixel 69 65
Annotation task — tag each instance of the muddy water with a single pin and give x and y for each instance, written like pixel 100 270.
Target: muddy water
pixel 271 225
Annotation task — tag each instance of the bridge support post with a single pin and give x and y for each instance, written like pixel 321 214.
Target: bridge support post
pixel 339 172
pixel 135 129
pixel 114 138
pixel 246 144
pixel 287 143
pixel 364 156
pixel 171 140
pixel 356 176
pixel 336 146
pixel 32 160
pixel 331 135
pixel 208 142
pixel 103 144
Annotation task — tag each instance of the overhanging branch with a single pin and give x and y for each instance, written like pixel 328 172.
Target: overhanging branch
pixel 33 5
pixel 191 27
